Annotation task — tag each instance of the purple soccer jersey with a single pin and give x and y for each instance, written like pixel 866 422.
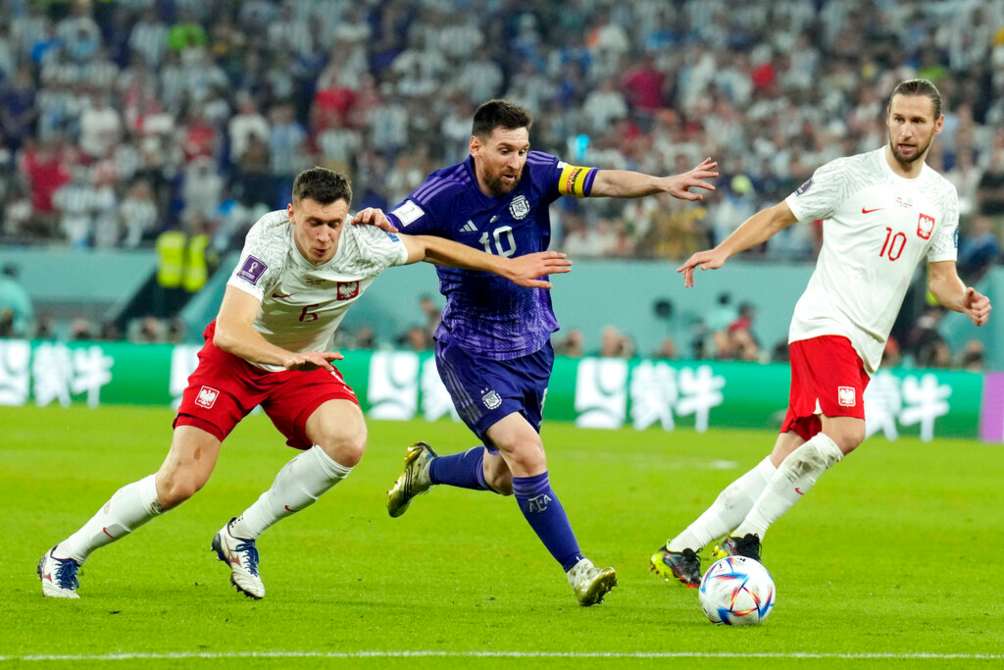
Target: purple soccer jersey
pixel 487 314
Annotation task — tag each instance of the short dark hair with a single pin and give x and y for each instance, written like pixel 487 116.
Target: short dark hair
pixel 919 87
pixel 323 185
pixel 499 114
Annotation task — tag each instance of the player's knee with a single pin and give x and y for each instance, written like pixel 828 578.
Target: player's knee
pixel 849 438
pixel 175 487
pixel 345 445
pixel 527 456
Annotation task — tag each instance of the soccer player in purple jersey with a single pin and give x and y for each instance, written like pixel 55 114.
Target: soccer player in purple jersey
pixel 493 348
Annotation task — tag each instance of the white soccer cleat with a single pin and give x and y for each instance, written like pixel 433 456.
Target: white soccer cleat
pixel 413 481
pixel 242 557
pixel 58 576
pixel 590 583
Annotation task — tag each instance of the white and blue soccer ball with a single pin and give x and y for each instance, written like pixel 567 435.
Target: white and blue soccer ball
pixel 737 591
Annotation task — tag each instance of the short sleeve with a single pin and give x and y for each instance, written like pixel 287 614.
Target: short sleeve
pixel 417 215
pixel 822 193
pixel 261 260
pixel 370 250
pixel 945 245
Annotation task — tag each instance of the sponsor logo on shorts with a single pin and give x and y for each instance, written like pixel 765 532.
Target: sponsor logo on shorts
pixel 207 397
pixel 252 270
pixel 491 399
pixel 347 290
pixel 846 396
pixel 519 207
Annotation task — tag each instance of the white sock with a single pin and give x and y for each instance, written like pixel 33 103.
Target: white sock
pixel 129 508
pixel 298 485
pixel 729 508
pixel 793 479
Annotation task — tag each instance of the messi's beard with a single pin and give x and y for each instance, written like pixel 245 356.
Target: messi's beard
pixel 499 187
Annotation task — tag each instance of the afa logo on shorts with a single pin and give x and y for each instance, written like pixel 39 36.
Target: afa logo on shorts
pixel 846 396
pixel 207 397
pixel 491 399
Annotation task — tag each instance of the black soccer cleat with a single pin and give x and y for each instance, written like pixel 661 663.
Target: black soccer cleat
pixel 748 546
pixel 684 566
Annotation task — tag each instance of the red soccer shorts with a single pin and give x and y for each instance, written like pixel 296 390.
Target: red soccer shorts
pixel 828 378
pixel 224 388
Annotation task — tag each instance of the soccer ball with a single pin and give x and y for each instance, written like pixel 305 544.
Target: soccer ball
pixel 737 591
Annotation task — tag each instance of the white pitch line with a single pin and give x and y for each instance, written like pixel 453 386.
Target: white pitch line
pixel 221 655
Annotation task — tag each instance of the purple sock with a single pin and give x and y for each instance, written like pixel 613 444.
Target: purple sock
pixel 546 516
pixel 463 470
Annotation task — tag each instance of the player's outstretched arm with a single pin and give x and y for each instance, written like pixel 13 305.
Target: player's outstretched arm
pixel 627 184
pixel 522 270
pixel 754 231
pixel 944 282
pixel 236 335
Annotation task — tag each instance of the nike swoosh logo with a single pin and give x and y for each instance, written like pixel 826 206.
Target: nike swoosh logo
pixel 869 211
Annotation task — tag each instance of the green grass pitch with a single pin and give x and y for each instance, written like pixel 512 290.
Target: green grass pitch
pixel 896 551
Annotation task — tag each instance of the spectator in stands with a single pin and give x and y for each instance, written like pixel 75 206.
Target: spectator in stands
pixel 137 214
pixel 979 248
pixel 572 345
pixel 17 314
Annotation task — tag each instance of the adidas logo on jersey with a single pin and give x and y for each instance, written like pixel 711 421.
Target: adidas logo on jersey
pixel 469 227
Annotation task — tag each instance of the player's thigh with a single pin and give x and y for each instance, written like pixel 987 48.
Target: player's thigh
pixel 296 397
pixel 520 445
pixel 188 465
pixel 486 391
pixel 338 427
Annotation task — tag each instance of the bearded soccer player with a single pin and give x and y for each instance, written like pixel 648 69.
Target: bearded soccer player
pixel 493 349
pixel 883 213
pixel 300 271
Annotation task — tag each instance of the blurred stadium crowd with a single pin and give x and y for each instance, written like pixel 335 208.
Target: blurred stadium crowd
pixel 123 120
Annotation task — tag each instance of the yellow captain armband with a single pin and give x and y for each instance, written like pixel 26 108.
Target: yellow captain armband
pixel 575 180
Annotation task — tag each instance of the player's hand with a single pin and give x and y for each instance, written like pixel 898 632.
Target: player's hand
pixel 372 216
pixel 710 259
pixel 976 306
pixel 679 185
pixel 310 360
pixel 524 270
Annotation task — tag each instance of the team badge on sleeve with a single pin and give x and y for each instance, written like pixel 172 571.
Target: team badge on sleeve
pixel 408 213
pixel 252 270
pixel 806 185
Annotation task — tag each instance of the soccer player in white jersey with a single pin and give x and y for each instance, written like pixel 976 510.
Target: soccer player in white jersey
pixel 883 213
pixel 300 271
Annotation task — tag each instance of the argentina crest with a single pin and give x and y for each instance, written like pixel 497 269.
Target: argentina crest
pixel 491 399
pixel 519 207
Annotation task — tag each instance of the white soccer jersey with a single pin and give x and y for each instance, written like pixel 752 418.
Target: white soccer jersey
pixel 877 227
pixel 302 303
